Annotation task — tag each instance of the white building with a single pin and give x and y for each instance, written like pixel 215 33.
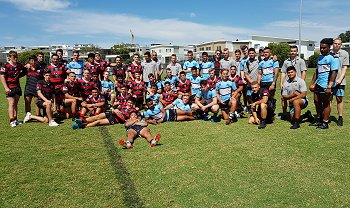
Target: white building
pixel 164 52
pixel 67 50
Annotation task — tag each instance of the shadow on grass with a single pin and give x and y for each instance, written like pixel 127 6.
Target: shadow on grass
pixel 130 196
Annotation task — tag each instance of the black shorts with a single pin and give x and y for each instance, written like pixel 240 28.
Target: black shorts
pixel 139 101
pixel 321 90
pixel 266 85
pixel 192 99
pixel 224 106
pixel 172 115
pixel 137 128
pixel 40 104
pixel 113 119
pixel 14 91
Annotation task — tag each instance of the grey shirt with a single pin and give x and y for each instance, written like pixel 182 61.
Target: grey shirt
pixel 298 63
pixel 148 67
pixel 343 57
pixel 252 68
pixel 175 68
pixel 290 86
pixel 158 66
pixel 226 63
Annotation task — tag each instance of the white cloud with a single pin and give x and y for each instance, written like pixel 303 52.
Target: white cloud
pixel 192 14
pixel 159 30
pixel 39 5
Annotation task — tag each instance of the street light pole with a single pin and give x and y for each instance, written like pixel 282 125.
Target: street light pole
pixel 301 4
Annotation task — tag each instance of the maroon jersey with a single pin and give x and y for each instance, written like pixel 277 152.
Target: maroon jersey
pixel 122 100
pixel 72 88
pixel 184 87
pixel 85 87
pixel 217 67
pixel 12 74
pixel 125 114
pixel 169 97
pixel 259 95
pixel 135 68
pixel 138 88
pixel 93 100
pixel 46 88
pixel 119 70
pixel 101 66
pixel 237 80
pixel 118 84
pixel 212 82
pixel 58 73
pixel 92 68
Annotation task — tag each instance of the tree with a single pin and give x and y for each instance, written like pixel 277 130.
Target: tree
pixel 121 49
pixel 281 50
pixel 23 57
pixel 313 60
pixel 92 49
pixel 345 37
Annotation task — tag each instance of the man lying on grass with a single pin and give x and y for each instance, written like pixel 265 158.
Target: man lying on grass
pixel 137 128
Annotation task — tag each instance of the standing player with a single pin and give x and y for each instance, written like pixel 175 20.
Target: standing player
pixel 34 74
pixel 268 72
pixel 217 65
pixel 137 128
pixel 76 66
pixel 101 65
pixel 171 79
pixel 183 85
pixel 107 88
pixel 238 56
pixel 225 92
pixel 325 74
pixel 205 66
pixel 119 69
pixel 159 67
pixel 226 62
pixel 40 63
pixel 10 74
pixel 59 53
pixel 148 67
pixel 294 92
pixel 251 71
pixel 195 86
pixel 300 67
pixel 189 64
pixel 213 79
pixel 340 80
pixel 174 66
pixel 135 66
pixel 90 64
pixel 240 72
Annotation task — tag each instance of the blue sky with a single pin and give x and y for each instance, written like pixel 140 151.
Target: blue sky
pixel 104 23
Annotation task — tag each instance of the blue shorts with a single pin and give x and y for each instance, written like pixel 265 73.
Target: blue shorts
pixel 339 91
pixel 306 102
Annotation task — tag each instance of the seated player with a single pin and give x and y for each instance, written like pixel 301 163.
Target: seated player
pixel 122 98
pixel 195 80
pixel 168 95
pixel 137 88
pixel 171 79
pixel 107 118
pixel 206 101
pixel 263 106
pixel 93 105
pixel 46 96
pixel 212 80
pixel 180 109
pixel 183 85
pixel 96 80
pixel 136 128
pixel 152 81
pixel 152 94
pixel 85 85
pixel 120 82
pixel 107 88
pixel 71 94
pixel 294 92
pixel 225 92
pixel 156 114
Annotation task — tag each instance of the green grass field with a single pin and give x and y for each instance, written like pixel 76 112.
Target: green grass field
pixel 199 164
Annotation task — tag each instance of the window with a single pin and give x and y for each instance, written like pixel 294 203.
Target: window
pixel 208 48
pixel 310 44
pixel 168 50
pixel 160 50
pixel 218 48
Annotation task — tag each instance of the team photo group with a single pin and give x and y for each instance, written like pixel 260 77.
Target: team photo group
pixel 95 92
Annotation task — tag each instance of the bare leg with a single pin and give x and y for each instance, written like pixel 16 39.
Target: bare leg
pixel 263 112
pixel 37 109
pixel 146 133
pixel 184 118
pixel 15 106
pixel 131 135
pixel 27 102
pixel 101 122
pixel 95 118
pixel 340 106
pixel 11 101
pixel 326 106
pixel 39 118
pixel 297 108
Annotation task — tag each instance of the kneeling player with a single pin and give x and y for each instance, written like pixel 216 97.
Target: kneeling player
pixel 262 106
pixel 108 118
pixel 206 101
pixel 225 92
pixel 136 128
pixel 294 91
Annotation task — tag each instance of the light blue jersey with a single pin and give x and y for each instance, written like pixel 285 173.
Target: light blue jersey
pixel 225 89
pixel 158 84
pixel 155 113
pixel 267 70
pixel 241 65
pixel 107 86
pixel 179 105
pixel 76 67
pixel 189 65
pixel 205 67
pixel 173 80
pixel 154 98
pixel 195 84
pixel 208 96
pixel 325 65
